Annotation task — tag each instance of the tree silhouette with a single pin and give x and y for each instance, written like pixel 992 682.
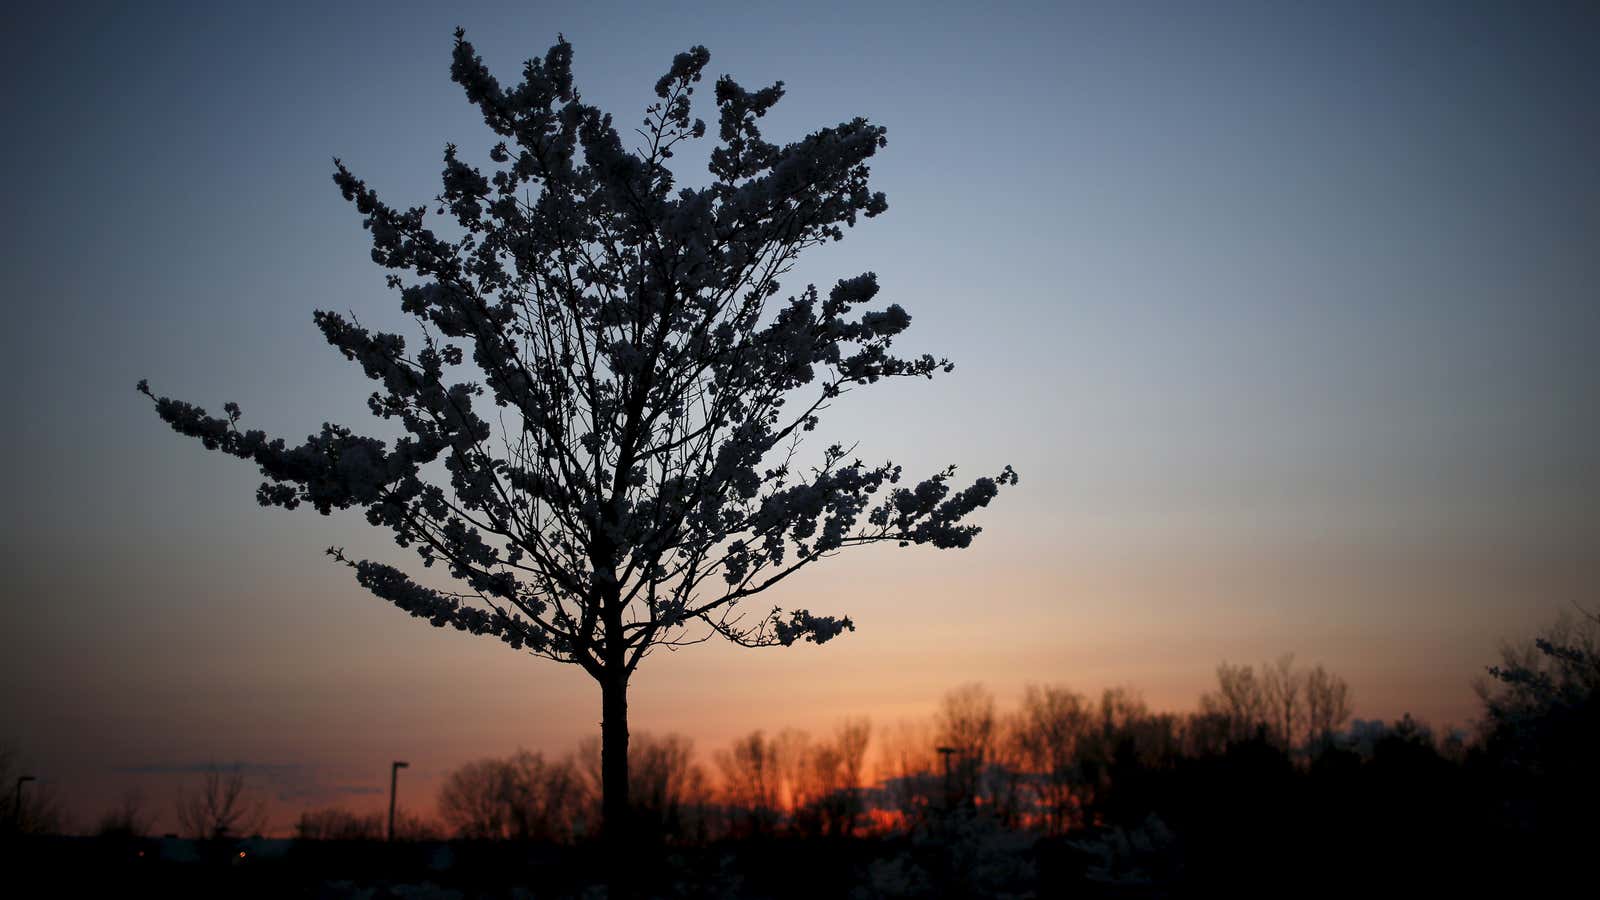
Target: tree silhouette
pixel 1541 732
pixel 519 798
pixel 752 781
pixel 220 808
pixel 1049 736
pixel 334 824
pixel 127 819
pixel 638 473
pixel 1294 708
pixel 666 788
pixel 34 811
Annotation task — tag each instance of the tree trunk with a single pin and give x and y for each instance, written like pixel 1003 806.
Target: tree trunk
pixel 616 813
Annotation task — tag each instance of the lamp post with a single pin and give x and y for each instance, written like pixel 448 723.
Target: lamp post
pixel 949 784
pixel 394 779
pixel 16 811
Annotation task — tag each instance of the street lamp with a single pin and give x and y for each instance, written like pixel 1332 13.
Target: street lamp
pixel 949 784
pixel 16 811
pixel 394 778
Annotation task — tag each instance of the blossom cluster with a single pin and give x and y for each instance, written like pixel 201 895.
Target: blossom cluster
pixel 637 473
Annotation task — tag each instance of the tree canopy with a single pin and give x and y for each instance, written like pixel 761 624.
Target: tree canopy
pixel 622 470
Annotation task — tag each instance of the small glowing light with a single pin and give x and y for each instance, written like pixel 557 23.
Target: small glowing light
pixel 241 854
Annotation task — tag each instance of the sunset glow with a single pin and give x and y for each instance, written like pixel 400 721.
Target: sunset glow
pixel 1285 318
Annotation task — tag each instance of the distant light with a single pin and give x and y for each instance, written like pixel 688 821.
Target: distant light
pixel 241 854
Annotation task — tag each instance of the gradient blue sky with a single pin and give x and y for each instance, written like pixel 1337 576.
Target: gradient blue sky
pixel 1286 314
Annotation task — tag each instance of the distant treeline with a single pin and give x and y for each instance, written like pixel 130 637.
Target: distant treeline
pixel 1269 778
pixel 1045 766
pixel 1063 763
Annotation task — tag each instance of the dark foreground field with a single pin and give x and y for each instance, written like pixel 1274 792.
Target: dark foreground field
pixel 965 859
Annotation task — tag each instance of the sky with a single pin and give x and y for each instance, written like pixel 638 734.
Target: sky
pixel 1285 313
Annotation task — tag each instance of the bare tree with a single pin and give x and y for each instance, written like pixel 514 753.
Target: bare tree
pixel 969 726
pixel 1327 704
pixel 638 474
pixel 909 770
pixel 793 754
pixel 1123 733
pixel 823 779
pixel 522 797
pixel 752 783
pixel 852 737
pixel 1289 706
pixel 666 784
pixel 1048 734
pixel 475 800
pixel 1240 702
pixel 412 826
pixel 128 819
pixel 850 740
pixel 334 824
pixel 1283 688
pixel 220 808
pixel 667 788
